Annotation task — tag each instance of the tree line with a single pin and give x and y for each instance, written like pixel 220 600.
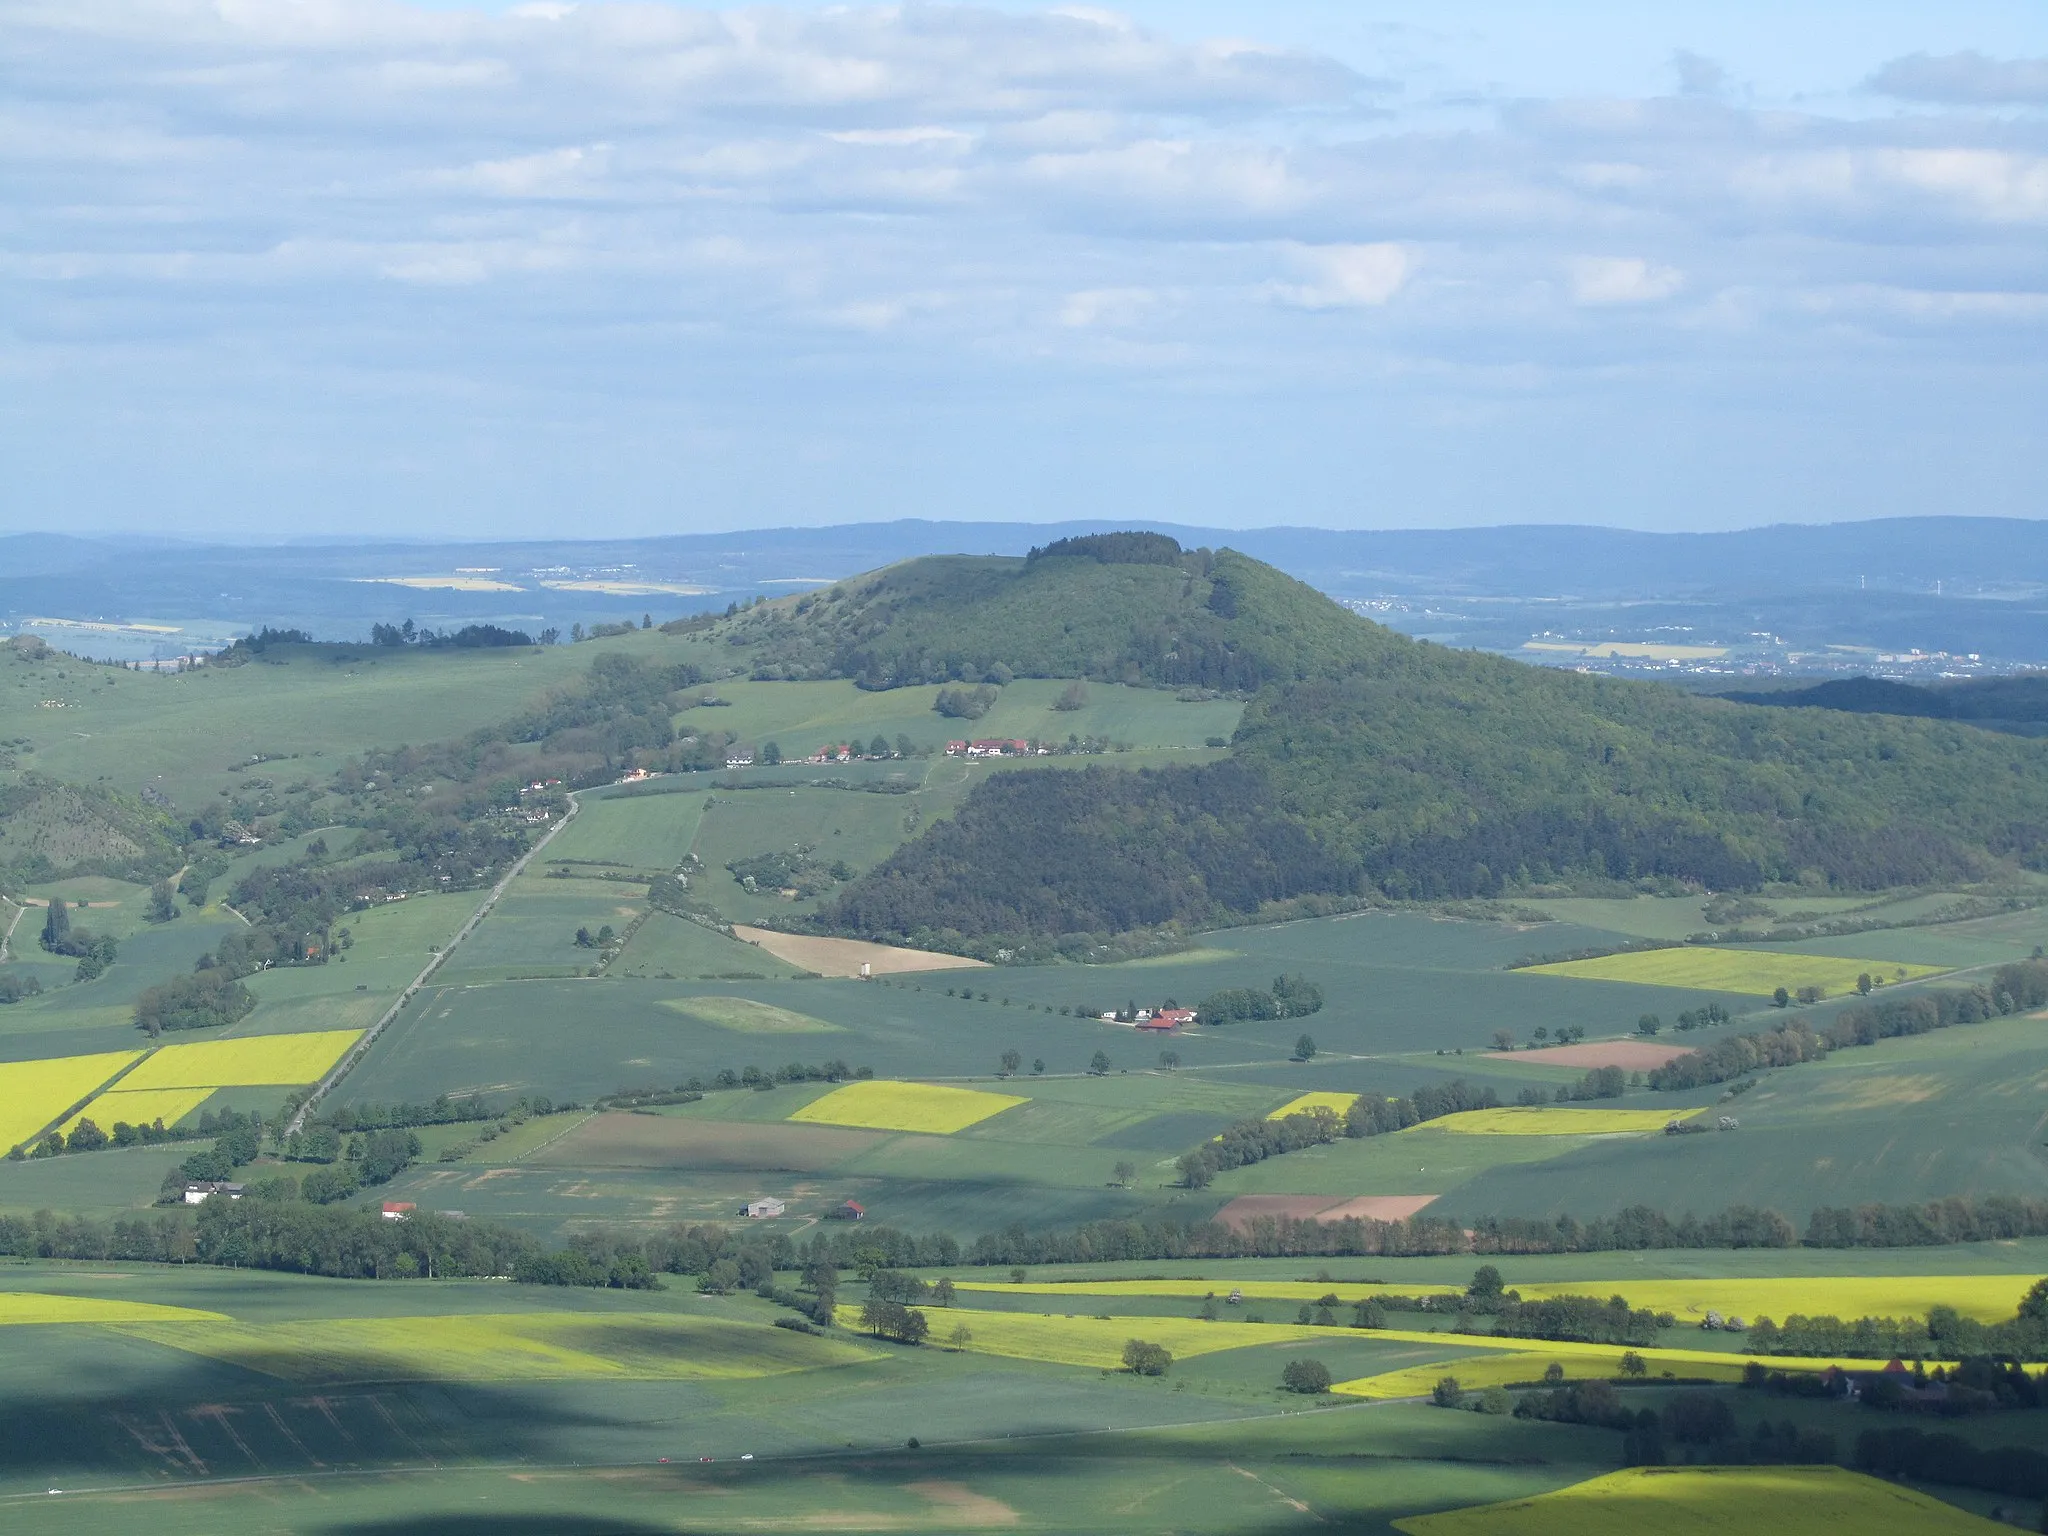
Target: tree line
pixel 2014 988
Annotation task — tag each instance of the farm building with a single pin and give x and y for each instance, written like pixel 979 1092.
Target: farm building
pixel 1167 1018
pixel 199 1191
pixel 767 1205
pixel 398 1210
pixel 849 1210
pixel 991 746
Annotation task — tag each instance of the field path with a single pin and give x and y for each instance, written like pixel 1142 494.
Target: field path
pixel 7 938
pixel 356 1052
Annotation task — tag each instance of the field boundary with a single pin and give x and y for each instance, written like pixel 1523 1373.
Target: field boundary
pixel 356 1052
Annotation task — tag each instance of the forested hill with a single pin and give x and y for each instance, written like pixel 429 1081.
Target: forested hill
pixel 1997 703
pixel 1402 769
pixel 1128 607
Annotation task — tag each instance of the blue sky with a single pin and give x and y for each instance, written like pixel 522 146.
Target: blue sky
pixel 272 268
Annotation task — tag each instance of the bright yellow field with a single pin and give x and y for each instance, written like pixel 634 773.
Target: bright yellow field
pixel 144 1108
pixel 1708 1501
pixel 1758 972
pixel 1094 1341
pixel 1517 1121
pixel 1080 1291
pixel 1338 1104
pixel 35 1307
pixel 33 1093
pixel 511 1347
pixel 882 1105
pixel 1989 1298
pixel 253 1061
pixel 1581 1362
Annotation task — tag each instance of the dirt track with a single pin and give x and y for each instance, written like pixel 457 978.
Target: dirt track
pixel 1631 1055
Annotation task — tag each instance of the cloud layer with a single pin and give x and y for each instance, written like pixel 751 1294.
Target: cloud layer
pixel 359 264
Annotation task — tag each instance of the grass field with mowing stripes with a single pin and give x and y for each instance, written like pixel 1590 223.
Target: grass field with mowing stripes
pixel 142 1107
pixel 1706 1501
pixel 1338 1104
pixel 510 1347
pixel 890 1106
pixel 33 1093
pixel 1757 972
pixel 744 1016
pixel 252 1061
pixel 1516 1121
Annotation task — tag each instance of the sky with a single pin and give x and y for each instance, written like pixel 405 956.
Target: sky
pixel 275 269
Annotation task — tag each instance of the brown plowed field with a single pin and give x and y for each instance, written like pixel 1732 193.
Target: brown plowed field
pixel 1631 1055
pixel 656 1141
pixel 1321 1208
pixel 843 957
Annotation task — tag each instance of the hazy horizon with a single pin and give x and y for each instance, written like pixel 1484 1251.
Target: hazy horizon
pixel 368 269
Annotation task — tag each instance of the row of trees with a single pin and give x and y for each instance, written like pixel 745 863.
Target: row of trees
pixel 2013 988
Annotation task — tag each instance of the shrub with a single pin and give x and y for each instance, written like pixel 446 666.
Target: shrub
pixel 1142 1358
pixel 1308 1377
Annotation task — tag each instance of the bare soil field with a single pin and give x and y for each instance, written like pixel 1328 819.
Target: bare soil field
pixel 844 957
pixel 1246 1208
pixel 1631 1055
pixel 656 1141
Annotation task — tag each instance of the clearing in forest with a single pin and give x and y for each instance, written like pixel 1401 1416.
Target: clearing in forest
pixel 1699 1501
pixel 882 1105
pixel 1756 972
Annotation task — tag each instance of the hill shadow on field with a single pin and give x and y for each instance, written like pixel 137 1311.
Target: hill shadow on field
pixel 441 1524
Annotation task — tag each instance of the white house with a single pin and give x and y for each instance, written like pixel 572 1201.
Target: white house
pixel 200 1190
pixel 767 1205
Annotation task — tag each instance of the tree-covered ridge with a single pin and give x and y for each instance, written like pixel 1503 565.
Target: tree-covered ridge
pixel 1381 767
pixel 1083 608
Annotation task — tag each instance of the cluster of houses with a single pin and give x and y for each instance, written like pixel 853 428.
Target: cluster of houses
pixel 1163 1020
pixel 995 746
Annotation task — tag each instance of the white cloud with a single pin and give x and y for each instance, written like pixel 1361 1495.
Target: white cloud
pixel 1095 307
pixel 1964 79
pixel 1605 280
pixel 1346 276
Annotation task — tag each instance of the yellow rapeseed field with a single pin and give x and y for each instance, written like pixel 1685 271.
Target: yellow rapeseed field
pixel 37 1307
pixel 1079 1291
pixel 1989 1298
pixel 251 1061
pixel 1517 1121
pixel 1709 1501
pixel 145 1107
pixel 1758 972
pixel 882 1105
pixel 1338 1104
pixel 33 1093
pixel 1526 1362
pixel 1093 1341
pixel 522 1346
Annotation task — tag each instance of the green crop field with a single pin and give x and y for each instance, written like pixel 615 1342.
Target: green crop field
pixel 1756 972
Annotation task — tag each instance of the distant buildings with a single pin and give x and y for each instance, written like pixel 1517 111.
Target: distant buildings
pixel 994 746
pixel 766 1206
pixel 847 1211
pixel 199 1191
pixel 398 1210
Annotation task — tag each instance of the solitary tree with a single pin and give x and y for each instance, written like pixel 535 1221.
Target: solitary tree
pixel 942 1291
pixel 163 902
pixel 1304 1048
pixel 1542 1034
pixel 1146 1359
pixel 1169 1059
pixel 1124 1174
pixel 1098 1064
pixel 771 753
pixel 1633 1365
pixel 1503 1039
pixel 1012 1060
pixel 1782 998
pixel 1447 1393
pixel 1308 1377
pixel 960 1337
pixel 1037 1066
pixel 1649 1024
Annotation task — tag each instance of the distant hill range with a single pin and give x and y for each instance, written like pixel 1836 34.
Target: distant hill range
pixel 2015 704
pixel 1367 763
pixel 1892 584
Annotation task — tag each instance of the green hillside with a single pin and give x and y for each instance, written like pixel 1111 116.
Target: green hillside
pixel 1129 608
pixel 1381 766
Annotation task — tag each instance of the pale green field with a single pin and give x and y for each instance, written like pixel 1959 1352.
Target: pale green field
pixel 666 945
pixel 645 832
pixel 1753 972
pixel 747 1017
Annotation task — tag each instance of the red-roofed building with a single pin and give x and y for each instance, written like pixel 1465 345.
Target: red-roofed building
pixel 398 1210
